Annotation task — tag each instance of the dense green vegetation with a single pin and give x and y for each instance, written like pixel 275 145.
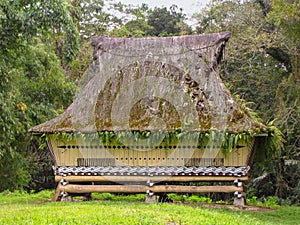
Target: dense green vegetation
pixel 22 208
pixel 262 66
pixel 45 50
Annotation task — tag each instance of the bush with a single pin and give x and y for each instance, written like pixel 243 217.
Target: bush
pixel 195 198
pixel 177 198
pixel 103 196
pixel 265 202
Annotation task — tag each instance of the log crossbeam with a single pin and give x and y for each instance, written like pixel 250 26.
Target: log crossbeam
pixel 76 188
pixel 146 178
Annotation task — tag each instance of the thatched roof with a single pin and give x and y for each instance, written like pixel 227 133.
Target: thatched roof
pixel 154 84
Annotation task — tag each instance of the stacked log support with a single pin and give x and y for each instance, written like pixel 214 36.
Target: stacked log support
pixel 150 195
pixel 75 185
pixel 239 196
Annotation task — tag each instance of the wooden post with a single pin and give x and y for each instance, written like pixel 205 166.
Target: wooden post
pixel 239 197
pixel 67 199
pixel 56 195
pixel 150 197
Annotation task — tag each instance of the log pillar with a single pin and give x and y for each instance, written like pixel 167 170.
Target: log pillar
pixel 150 197
pixel 68 198
pixel 239 199
pixel 57 193
pixel 239 196
pixel 65 197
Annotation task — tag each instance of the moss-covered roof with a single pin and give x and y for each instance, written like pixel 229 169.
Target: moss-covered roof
pixel 154 84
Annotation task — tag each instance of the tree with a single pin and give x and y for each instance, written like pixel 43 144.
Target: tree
pixel 248 67
pixel 92 18
pixel 143 21
pixel 261 66
pixel 135 23
pixel 167 22
pixel 286 18
pixel 32 84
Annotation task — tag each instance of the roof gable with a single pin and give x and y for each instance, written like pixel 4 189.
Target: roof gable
pixel 154 84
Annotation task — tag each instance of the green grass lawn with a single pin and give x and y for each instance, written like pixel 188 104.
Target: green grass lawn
pixel 16 208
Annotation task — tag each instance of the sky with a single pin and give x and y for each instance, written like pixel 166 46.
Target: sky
pixel 189 6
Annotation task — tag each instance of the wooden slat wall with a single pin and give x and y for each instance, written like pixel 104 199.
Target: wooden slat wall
pixel 69 153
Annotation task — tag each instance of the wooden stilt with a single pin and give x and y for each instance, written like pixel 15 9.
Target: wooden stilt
pixel 67 199
pixel 240 199
pixel 56 195
pixel 150 197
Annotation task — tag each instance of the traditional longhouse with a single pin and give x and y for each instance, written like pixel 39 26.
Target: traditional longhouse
pixel 152 114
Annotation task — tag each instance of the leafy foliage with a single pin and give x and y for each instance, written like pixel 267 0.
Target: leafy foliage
pixel 93 17
pixel 166 23
pixel 262 66
pixel 33 87
pixel 153 22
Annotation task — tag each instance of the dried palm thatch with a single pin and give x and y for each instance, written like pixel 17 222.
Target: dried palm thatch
pixel 149 84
